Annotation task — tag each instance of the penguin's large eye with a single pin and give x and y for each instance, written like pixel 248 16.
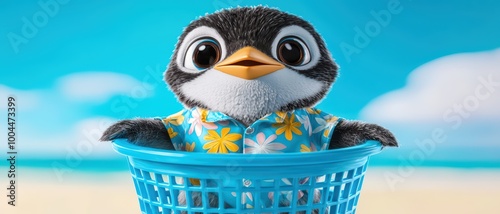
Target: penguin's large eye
pixel 292 51
pixel 202 54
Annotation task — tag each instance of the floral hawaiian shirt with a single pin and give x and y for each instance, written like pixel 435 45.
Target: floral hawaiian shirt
pixel 301 130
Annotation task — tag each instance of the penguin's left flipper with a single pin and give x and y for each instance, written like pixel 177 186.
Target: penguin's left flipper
pixel 351 133
pixel 141 132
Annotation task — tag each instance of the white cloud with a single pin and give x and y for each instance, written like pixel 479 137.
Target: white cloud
pixel 80 141
pixel 42 131
pixel 454 85
pixel 87 133
pixel 100 86
pixel 25 99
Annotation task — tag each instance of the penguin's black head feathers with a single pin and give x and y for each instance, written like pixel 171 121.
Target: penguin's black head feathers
pixel 295 85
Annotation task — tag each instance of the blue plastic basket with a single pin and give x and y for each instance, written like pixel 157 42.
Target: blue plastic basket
pixel 183 182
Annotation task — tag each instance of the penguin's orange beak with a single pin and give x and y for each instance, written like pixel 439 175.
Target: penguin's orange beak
pixel 249 63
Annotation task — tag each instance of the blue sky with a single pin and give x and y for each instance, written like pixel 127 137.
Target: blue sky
pixel 91 62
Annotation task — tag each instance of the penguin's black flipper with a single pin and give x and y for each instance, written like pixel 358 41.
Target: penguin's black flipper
pixel 141 132
pixel 351 133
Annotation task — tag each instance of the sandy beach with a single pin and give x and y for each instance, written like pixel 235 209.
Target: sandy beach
pixel 434 190
pixel 425 190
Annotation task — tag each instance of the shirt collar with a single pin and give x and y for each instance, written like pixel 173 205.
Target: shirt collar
pixel 215 116
pixel 210 116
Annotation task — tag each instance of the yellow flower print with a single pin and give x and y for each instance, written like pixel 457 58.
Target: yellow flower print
pixel 203 115
pixel 289 127
pixel 313 111
pixel 304 148
pixel 190 147
pixel 175 119
pixel 221 143
pixel 194 181
pixel 171 132
pixel 281 116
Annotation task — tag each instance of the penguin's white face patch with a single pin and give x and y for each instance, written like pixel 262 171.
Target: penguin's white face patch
pixel 201 49
pixel 296 37
pixel 250 98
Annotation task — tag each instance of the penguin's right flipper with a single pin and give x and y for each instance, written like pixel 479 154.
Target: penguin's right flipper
pixel 351 133
pixel 141 132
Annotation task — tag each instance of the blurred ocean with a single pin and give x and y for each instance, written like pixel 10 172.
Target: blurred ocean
pixel 120 164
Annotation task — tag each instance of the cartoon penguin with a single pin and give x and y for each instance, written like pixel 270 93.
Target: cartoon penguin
pixel 249 79
pixel 246 63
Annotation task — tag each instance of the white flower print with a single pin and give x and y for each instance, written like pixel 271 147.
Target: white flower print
pixel 263 145
pixel 197 123
pixel 304 119
pixel 325 123
pixel 246 199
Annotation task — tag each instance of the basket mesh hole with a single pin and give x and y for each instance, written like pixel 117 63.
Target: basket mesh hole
pixel 152 193
pixel 273 197
pixel 246 199
pixel 165 178
pixel 158 178
pixel 346 190
pixel 137 172
pixel 157 199
pixel 338 177
pixel 303 197
pixel 354 186
pixel 164 194
pixel 348 175
pixel 319 194
pixel 195 198
pixel 145 175
pixel 278 198
pixel 179 180
pixel 360 182
pixel 350 205
pixel 210 199
pixel 152 176
pixel 320 179
pixel 194 182
pixel 336 192
pixel 141 188
pixel 342 208
pixel 181 198
pixel 304 181
pixel 141 174
pixel 359 170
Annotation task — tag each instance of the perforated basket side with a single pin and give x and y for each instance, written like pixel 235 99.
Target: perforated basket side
pixel 173 185
pixel 336 192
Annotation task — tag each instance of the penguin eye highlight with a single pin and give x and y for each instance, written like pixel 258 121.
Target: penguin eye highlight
pixel 202 54
pixel 293 51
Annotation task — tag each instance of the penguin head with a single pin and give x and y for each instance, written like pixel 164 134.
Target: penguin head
pixel 250 61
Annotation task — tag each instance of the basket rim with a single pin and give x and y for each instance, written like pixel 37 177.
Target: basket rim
pixel 361 151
